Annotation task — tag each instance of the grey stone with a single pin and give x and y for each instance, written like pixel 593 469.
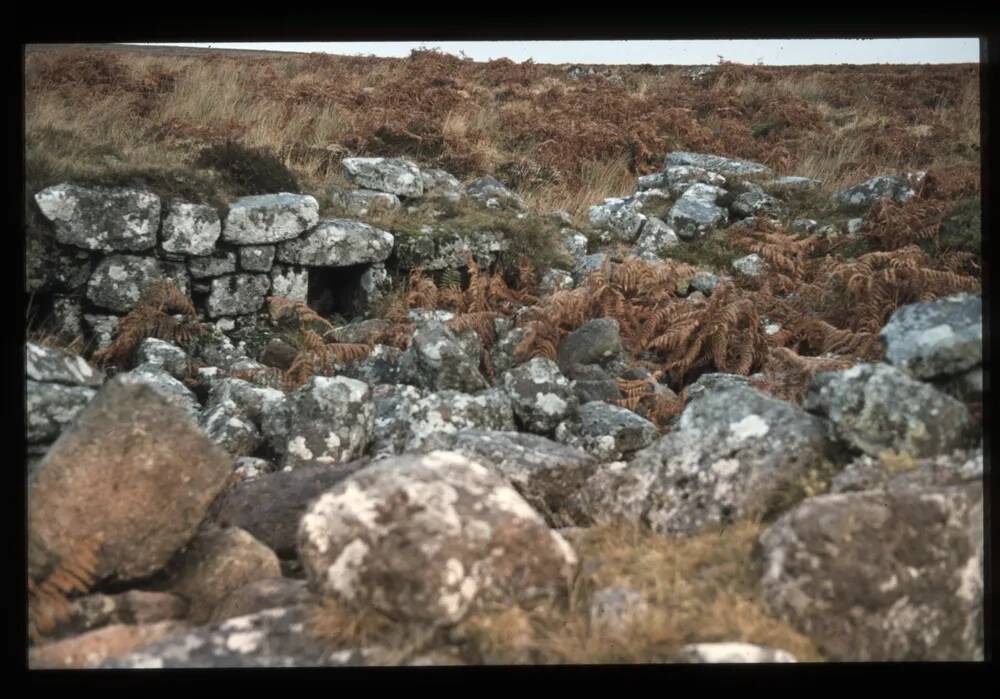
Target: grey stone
pixel 751 265
pixel 53 365
pixel 871 473
pixel 361 202
pixel 595 342
pixel 190 229
pixel 734 453
pixel 237 294
pixel 215 265
pixel 440 249
pixel 696 211
pixel 439 184
pixel 67 317
pixel 428 538
pixel 119 281
pixel 269 218
pixel 290 282
pixel 756 202
pixel 249 468
pixel 611 431
pixel 678 178
pixel 735 653
pixel 877 407
pixel 451 411
pixel 540 395
pixel 881 575
pixel 393 405
pixel 491 192
pixel 589 263
pixel 162 471
pixel 270 506
pixel 257 258
pixel 862 196
pixel 102 328
pixel 228 427
pixel 171 357
pixel 715 163
pixel 935 338
pixel 655 236
pixel 803 225
pixel 544 472
pixel 618 216
pixel 614 610
pixel 330 422
pixel 101 218
pixel 794 183
pixel 51 407
pixel 393 175
pixel 266 593
pixel 49 266
pixel 574 242
pixel 556 279
pixel 704 282
pixel 381 366
pixel 338 243
pixel 435 360
pixel 169 388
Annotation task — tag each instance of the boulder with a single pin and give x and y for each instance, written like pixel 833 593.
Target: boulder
pixel 394 175
pixel 877 407
pixel 290 282
pixel 655 236
pixel 119 281
pixel 381 366
pixel 715 163
pixel 435 360
pixel 451 411
pixel 619 217
pixel 541 396
pixel 704 282
pixel 216 563
pixel 936 338
pixel 101 218
pixel 169 388
pixel 237 294
pixel 257 258
pixel 269 218
pixel 678 178
pixel 102 645
pixel 53 365
pixel 439 184
pixel 361 202
pixel 214 265
pixel 614 610
pixel 860 197
pixel 544 472
pixel 228 427
pixel 190 229
pixel 751 265
pixel 338 243
pixel 269 507
pixel 133 472
pixel 595 342
pixel 881 575
pixel 696 211
pixel 330 422
pixel 51 407
pixel 892 472
pixel 734 453
pixel 50 267
pixel 393 405
pixel 266 593
pixel 101 328
pixel 425 539
pixel 756 202
pixel 556 279
pixel 610 431
pixel 165 354
pixel 491 192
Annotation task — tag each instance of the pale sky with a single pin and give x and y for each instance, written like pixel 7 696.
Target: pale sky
pixel 673 52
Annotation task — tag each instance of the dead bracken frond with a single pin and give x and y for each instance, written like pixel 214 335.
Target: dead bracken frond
pixel 48 600
pixel 155 315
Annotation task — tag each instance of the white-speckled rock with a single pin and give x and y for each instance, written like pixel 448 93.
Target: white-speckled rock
pixel 936 338
pixel 330 421
pixel 541 396
pixel 100 218
pixel 338 243
pixel 269 218
pixel 394 175
pixel 53 365
pixel 190 229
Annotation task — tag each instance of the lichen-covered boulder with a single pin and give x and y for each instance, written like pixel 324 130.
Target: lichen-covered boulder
pixel 734 453
pixel 541 396
pixel 393 175
pixel 330 422
pixel 696 211
pixel 439 184
pixel 936 338
pixel 270 506
pixel 212 265
pixel 574 242
pixel 257 258
pixel 451 411
pixel 618 216
pixel 272 638
pixel 491 192
pixel 756 202
pixel 101 218
pixel 269 218
pixel 871 473
pixel 880 575
pixel 51 407
pixel 237 294
pixel 134 473
pixel 171 357
pixel 656 236
pixel 169 388
pixel 715 163
pixel 361 202
pixel 862 196
pixel 435 360
pixel 393 404
pixel 381 366
pixel 226 425
pixel 614 610
pixel 100 328
pixel 556 279
pixel 338 243
pixel 217 562
pixel 678 178
pixel 610 431
pixel 190 229
pixel 877 407
pixel 595 342
pixel 290 282
pixel 119 281
pixel 751 265
pixel 53 365
pixel 426 538
pixel 544 472
pixel 715 381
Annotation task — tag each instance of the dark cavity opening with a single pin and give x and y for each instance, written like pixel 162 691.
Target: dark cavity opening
pixel 336 290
